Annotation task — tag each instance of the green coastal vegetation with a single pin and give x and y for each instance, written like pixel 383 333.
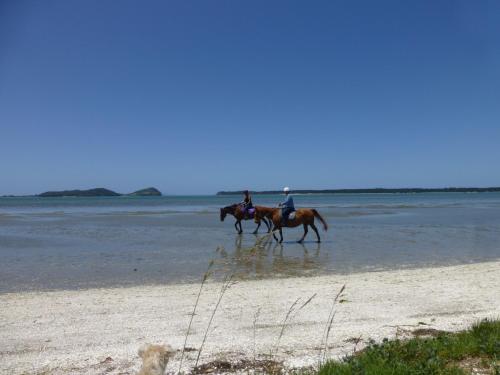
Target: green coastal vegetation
pixel 474 351
pixel 374 191
pixel 148 192
pixel 99 192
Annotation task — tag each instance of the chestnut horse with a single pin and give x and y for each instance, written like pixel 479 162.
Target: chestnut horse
pixel 304 216
pixel 237 212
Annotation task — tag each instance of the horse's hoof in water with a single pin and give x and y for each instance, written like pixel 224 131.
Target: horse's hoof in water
pixel 254 232
pixel 300 241
pixel 318 241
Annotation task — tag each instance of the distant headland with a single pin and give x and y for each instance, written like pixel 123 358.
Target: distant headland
pixel 374 191
pixel 99 192
pixel 148 192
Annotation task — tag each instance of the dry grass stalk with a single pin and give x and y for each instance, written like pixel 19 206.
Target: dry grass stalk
pixel 203 280
pixel 226 284
pixel 289 315
pixel 307 302
pixel 283 324
pixel 255 317
pixel 329 322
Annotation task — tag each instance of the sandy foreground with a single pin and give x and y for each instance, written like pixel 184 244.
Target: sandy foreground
pixel 99 331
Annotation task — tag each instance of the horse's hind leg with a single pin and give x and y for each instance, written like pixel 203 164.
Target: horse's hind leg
pixel 315 231
pixel 274 234
pixel 236 226
pixel 268 224
pixel 305 233
pixel 281 235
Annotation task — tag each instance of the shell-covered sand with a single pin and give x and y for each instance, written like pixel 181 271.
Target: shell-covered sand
pixel 99 331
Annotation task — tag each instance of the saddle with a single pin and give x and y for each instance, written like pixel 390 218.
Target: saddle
pixel 249 213
pixel 291 216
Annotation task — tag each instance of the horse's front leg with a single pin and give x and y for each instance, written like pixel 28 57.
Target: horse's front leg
pixel 281 235
pixel 257 229
pixel 241 229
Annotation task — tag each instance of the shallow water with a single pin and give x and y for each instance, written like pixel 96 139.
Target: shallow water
pixel 62 243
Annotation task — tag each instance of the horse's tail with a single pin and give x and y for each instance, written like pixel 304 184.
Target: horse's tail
pixel 316 214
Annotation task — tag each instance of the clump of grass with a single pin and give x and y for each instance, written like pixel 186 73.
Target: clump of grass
pixel 242 366
pixel 448 353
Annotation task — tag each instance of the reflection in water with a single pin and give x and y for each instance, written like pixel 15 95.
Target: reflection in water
pixel 266 258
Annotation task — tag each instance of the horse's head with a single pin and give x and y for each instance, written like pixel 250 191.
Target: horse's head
pixel 223 214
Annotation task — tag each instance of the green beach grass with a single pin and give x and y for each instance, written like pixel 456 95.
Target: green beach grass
pixel 476 350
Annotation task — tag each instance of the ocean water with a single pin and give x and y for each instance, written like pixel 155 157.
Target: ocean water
pixel 66 243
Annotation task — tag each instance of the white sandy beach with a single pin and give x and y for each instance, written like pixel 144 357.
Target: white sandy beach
pixel 99 331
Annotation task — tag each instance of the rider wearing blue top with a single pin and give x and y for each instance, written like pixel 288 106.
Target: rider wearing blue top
pixel 287 206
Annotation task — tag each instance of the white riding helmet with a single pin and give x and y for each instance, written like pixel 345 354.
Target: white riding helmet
pixel 286 189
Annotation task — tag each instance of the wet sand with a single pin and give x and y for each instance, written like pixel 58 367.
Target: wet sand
pixel 99 331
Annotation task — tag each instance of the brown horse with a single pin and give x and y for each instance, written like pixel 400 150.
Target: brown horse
pixel 304 216
pixel 236 211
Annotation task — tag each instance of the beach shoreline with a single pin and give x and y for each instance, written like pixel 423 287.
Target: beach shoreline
pixel 93 331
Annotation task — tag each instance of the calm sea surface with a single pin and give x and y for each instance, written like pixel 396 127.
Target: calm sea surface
pixel 63 243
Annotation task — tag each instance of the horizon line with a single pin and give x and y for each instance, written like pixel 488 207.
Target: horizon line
pixel 322 190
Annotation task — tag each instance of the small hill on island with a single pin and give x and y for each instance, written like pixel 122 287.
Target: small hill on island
pixel 99 192
pixel 148 192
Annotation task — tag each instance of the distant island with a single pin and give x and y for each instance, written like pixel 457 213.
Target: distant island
pixel 374 191
pixel 148 192
pixel 99 192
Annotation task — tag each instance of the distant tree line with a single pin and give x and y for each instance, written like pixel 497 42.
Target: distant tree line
pixel 375 191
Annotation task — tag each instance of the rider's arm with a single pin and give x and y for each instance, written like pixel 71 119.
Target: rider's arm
pixel 285 203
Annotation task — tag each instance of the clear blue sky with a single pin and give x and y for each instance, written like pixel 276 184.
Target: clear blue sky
pixel 200 96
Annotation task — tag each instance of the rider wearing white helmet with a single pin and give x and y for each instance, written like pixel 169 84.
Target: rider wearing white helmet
pixel 287 207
